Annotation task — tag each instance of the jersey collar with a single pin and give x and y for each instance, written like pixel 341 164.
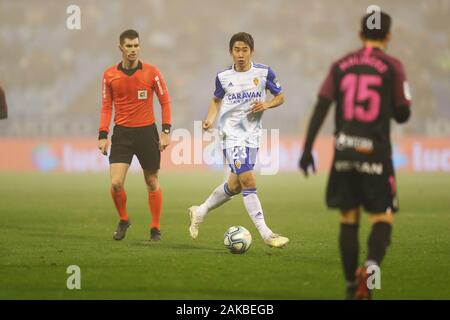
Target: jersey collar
pixel 129 72
pixel 251 66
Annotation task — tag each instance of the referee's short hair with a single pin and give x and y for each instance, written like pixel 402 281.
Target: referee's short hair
pixel 128 34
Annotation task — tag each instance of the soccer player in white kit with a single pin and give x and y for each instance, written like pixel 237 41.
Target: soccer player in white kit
pixel 240 100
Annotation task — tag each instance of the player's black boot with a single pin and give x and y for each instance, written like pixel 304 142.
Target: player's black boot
pixel 121 230
pixel 350 292
pixel 155 234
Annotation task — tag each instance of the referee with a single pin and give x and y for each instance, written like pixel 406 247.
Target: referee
pixel 130 85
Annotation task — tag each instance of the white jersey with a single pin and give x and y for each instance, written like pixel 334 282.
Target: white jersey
pixel 237 125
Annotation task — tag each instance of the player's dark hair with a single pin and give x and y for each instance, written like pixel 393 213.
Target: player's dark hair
pixel 128 34
pixel 376 33
pixel 244 37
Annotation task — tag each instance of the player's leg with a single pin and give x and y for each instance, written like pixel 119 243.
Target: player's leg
pixel 379 193
pixel 252 203
pixel 343 194
pixel 349 247
pixel 118 172
pixel 223 193
pixel 146 145
pixel 381 202
pixel 380 237
pixel 378 242
pixel 154 202
pixel 254 208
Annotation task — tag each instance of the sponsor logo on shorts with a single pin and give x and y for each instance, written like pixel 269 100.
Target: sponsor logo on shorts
pixel 372 168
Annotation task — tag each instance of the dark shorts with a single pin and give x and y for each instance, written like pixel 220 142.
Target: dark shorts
pixel 370 184
pixel 140 141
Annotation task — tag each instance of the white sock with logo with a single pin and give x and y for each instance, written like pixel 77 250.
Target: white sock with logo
pixel 254 209
pixel 217 198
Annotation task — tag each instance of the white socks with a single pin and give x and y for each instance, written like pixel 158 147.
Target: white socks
pixel 217 198
pixel 223 194
pixel 254 209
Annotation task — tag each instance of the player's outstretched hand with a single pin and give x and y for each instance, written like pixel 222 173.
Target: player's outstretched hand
pixel 164 141
pixel 306 161
pixel 206 124
pixel 103 146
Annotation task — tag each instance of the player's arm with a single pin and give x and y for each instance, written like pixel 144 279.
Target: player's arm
pixel 276 101
pixel 214 106
pixel 402 96
pixel 324 101
pixel 105 117
pixel 166 109
pixel 274 87
pixel 213 110
pixel 318 117
pixel 3 105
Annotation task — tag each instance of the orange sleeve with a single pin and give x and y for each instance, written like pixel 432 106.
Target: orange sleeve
pixel 163 96
pixel 106 112
pixel 3 105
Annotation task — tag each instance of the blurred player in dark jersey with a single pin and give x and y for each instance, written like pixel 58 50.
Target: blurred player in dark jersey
pixel 130 85
pixel 369 88
pixel 3 105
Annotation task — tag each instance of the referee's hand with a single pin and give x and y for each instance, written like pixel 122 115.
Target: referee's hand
pixel 103 145
pixel 164 141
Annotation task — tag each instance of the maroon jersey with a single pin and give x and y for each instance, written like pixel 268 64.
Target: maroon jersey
pixel 369 88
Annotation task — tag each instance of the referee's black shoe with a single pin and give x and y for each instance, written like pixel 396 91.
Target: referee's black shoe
pixel 121 230
pixel 155 234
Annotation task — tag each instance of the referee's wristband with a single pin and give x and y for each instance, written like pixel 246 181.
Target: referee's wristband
pixel 102 135
pixel 166 128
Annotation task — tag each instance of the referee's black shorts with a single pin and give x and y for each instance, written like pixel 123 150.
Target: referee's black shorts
pixel 140 141
pixel 370 184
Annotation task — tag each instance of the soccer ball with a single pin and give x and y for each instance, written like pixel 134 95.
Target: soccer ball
pixel 237 239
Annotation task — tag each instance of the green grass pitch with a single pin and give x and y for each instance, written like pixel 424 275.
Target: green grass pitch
pixel 51 221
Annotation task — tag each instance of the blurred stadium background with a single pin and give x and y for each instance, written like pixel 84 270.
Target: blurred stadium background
pixel 52 75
